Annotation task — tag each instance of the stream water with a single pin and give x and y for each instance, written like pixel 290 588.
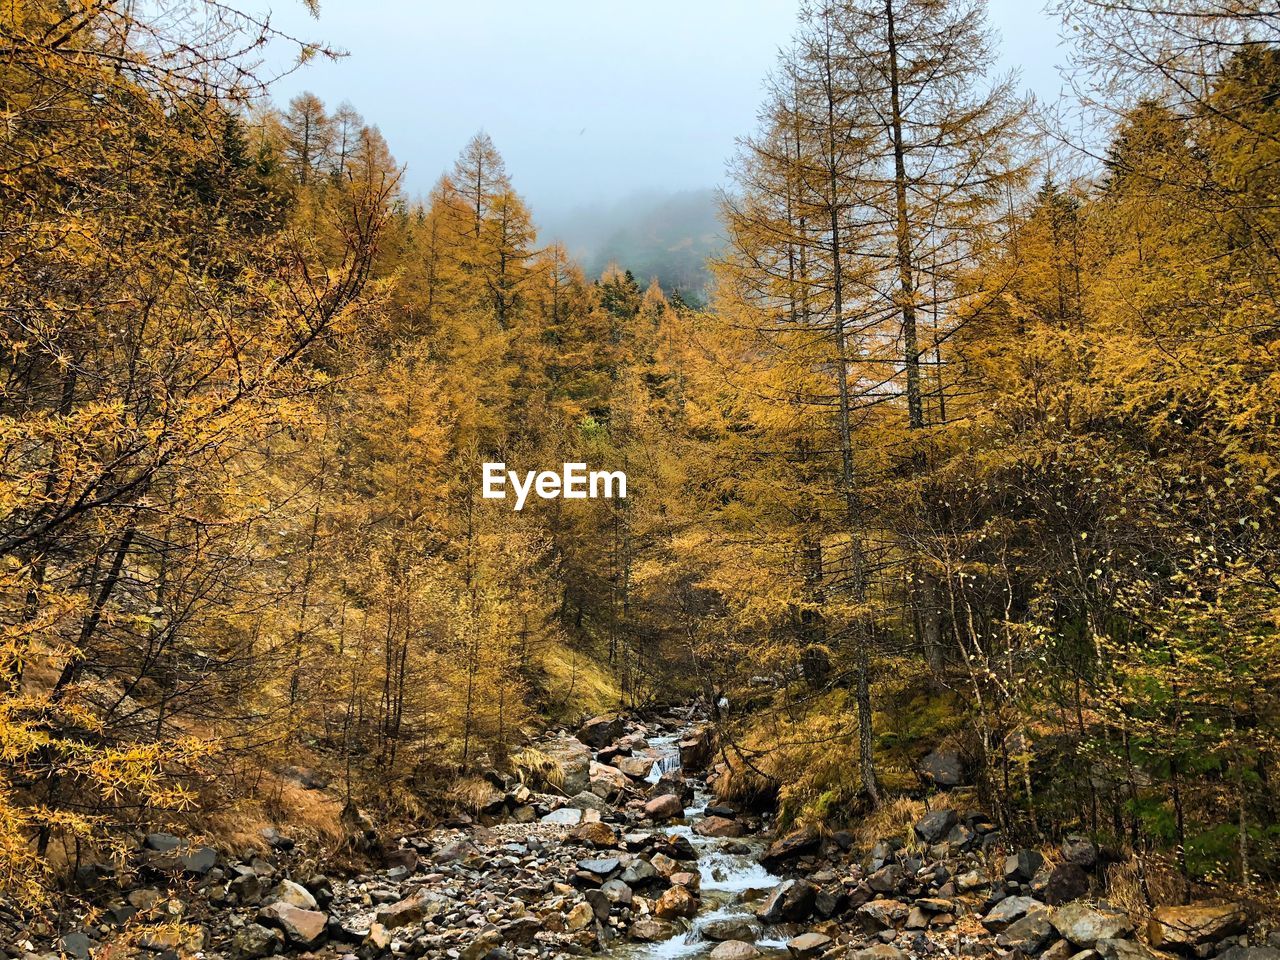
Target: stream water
pixel 731 882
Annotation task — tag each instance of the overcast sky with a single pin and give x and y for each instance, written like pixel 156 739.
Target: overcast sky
pixel 587 100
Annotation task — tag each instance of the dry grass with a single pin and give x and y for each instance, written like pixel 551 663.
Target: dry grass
pixel 282 803
pixel 893 819
pixel 536 767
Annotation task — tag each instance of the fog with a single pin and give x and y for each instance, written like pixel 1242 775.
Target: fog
pixel 601 108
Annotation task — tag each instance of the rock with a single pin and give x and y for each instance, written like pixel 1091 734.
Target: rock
pixel 887 879
pixel 302 927
pixel 972 880
pixel 638 768
pixel 521 930
pixel 676 902
pixel 1250 953
pixel 665 865
pixel 687 879
pixel 935 826
pixel 1122 950
pixel 807 946
pixel 482 946
pixel 1060 950
pixel 617 892
pixel 294 894
pixel 462 849
pixel 638 873
pixel 572 759
pixel 599 732
pixel 1081 851
pixel 419 905
pixel 1199 924
pixel 405 857
pixel 1008 910
pixel 253 940
pixel 1021 867
pixel 1031 934
pixel 830 901
pixel 580 917
pixel 718 827
pixel 791 900
pixel 162 842
pixel 651 931
pixel 794 844
pixel 1068 881
pixel 730 928
pixel 77 945
pixel 881 951
pixel 600 866
pixel 590 801
pixel 565 816
pixel 277 839
pixel 881 915
pixel 664 808
pixel 696 750
pixel 199 861
pixel 734 950
pixel 597 834
pixel 943 768
pixel 1084 925
pixel 607 781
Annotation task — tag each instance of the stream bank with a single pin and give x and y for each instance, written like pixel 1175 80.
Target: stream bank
pixel 623 853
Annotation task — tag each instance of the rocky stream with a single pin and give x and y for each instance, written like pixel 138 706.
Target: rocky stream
pixel 625 853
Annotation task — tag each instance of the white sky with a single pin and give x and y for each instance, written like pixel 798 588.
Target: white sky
pixel 587 100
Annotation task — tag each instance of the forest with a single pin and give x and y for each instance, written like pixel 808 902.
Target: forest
pixel 958 493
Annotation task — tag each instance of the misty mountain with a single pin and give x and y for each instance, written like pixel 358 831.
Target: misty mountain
pixel 663 235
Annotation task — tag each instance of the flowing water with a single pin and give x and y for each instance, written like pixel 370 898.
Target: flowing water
pixel 731 882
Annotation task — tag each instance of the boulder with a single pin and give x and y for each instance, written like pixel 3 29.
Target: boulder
pixel 596 834
pixel 696 750
pixel 607 781
pixel 616 892
pixel 599 866
pixel 935 826
pixel 565 816
pixel 794 844
pixel 301 927
pixel 572 759
pixel 943 768
pixel 599 732
pixel 637 768
pixel 1009 910
pixel 1068 881
pixel 647 930
pixel 294 894
pixel 664 807
pixel 1250 953
pixel 791 901
pixel 675 902
pixel 1199 924
pixel 253 940
pixel 808 946
pixel 580 917
pixel 1020 867
pixel 419 905
pixel 638 873
pixel 1030 935
pixel 718 827
pixel 730 928
pixel 162 842
pixel 734 950
pixel 881 915
pixel 887 879
pixel 1081 851
pixel 1084 925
